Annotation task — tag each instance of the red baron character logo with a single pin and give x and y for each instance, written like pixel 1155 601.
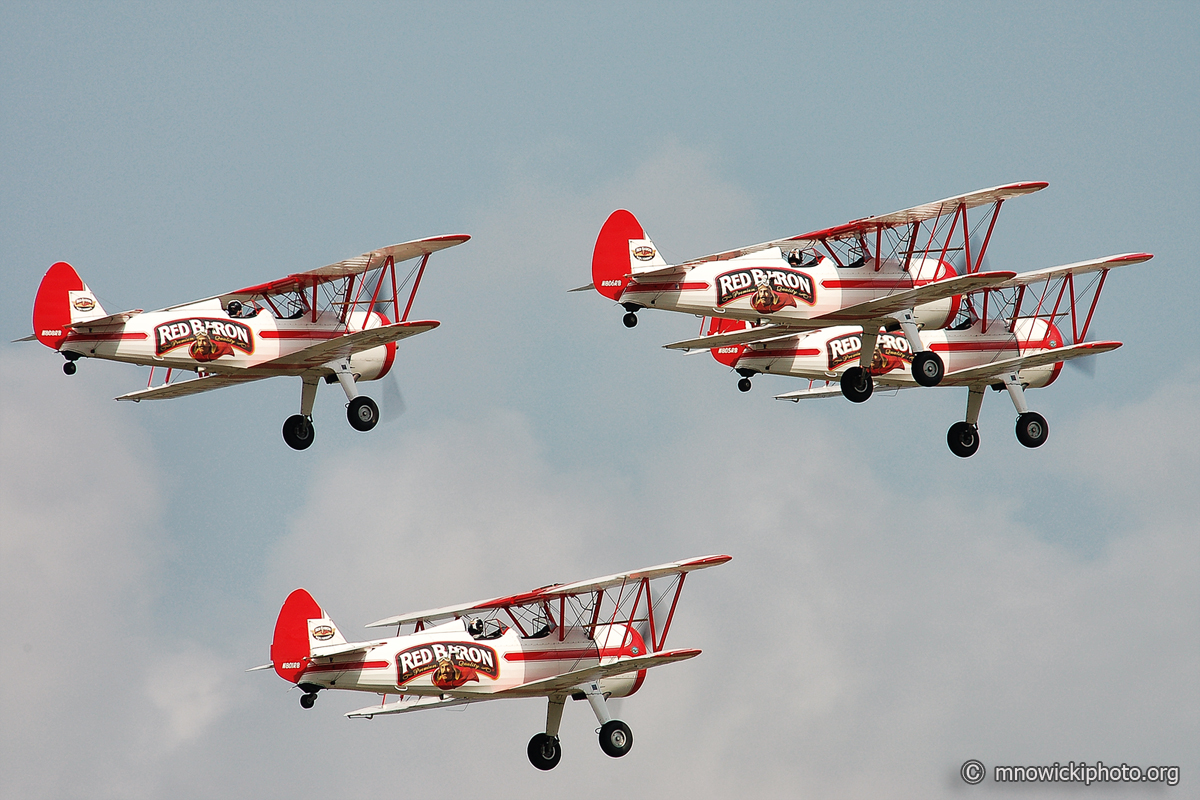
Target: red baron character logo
pixel 769 289
pixel 891 352
pixel 643 252
pixel 206 339
pixel 452 663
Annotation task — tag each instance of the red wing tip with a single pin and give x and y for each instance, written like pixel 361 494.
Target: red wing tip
pixel 1030 185
pixel 433 323
pixel 707 560
pixel 1131 258
pixel 1105 345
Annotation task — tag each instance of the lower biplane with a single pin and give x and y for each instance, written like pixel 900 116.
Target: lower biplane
pixel 590 640
pixel 1020 348
pixel 328 324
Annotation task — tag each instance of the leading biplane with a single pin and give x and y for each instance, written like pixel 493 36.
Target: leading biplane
pixel 1015 346
pixel 589 640
pixel 893 271
pixel 328 324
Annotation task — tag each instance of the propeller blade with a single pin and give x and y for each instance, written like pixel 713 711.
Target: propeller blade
pixel 391 406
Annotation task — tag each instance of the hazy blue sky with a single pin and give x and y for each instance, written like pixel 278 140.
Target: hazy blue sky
pixel 891 610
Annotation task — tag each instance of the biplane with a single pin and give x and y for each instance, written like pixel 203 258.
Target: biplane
pixel 328 324
pixel 1021 347
pixel 590 640
pixel 893 271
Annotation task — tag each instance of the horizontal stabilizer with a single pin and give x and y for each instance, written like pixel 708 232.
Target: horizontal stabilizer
pixel 343 648
pixel 403 706
pixel 987 373
pixel 759 333
pixel 569 680
pixel 30 338
pixel 105 322
pixel 260 666
pixel 588 288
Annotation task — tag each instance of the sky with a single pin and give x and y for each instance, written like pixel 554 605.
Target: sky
pixel 890 610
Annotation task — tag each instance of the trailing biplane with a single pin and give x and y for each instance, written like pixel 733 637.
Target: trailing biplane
pixel 1020 347
pixel 893 271
pixel 590 640
pixel 328 324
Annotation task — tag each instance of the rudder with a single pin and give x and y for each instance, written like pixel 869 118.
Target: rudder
pixel 62 299
pixel 620 246
pixel 301 625
pixel 728 354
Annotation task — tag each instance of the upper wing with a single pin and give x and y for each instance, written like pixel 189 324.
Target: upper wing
pixel 1078 268
pixel 556 590
pixel 569 680
pixel 988 372
pixel 927 211
pixel 890 304
pixel 195 386
pixel 343 269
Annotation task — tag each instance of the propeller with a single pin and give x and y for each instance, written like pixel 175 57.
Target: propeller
pixel 391 403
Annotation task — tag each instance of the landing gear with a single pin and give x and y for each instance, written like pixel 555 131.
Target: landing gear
pixel 744 385
pixel 298 432
pixel 963 438
pixel 308 699
pixel 630 320
pixel 857 385
pixel 69 368
pixel 544 751
pixel 615 738
pixel 927 368
pixel 362 413
pixel 1032 429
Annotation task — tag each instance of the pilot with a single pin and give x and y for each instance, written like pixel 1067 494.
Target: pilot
pixel 795 259
pixel 234 309
pixel 475 628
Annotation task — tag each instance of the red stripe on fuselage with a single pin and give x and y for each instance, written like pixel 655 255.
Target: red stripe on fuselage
pixel 808 351
pixel 347 665
pixel 565 655
pixel 300 334
pixel 106 337
pixel 664 287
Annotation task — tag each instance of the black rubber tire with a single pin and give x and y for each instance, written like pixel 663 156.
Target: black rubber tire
pixel 307 699
pixel 362 413
pixel 544 751
pixel 963 438
pixel 857 385
pixel 630 319
pixel 70 367
pixel 298 432
pixel 1032 429
pixel 744 385
pixel 615 738
pixel 927 368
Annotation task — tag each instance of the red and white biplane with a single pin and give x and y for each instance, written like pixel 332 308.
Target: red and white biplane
pixel 589 640
pixel 326 324
pixel 1020 347
pixel 892 271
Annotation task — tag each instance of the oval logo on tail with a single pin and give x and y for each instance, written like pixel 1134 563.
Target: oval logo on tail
pixel 323 632
pixel 643 252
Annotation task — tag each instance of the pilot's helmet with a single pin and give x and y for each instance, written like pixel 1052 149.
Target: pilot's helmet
pixel 234 309
pixel 476 627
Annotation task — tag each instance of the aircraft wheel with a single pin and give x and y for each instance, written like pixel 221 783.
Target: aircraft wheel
pixel 70 367
pixel 362 413
pixel 308 699
pixel 615 738
pixel 927 368
pixel 630 319
pixel 963 438
pixel 744 385
pixel 857 385
pixel 544 751
pixel 298 432
pixel 1032 429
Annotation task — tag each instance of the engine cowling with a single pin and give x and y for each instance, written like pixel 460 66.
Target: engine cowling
pixel 373 364
pixel 940 313
pixel 616 642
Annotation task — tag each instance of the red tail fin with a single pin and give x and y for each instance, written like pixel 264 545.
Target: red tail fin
pixel 52 306
pixel 610 259
pixel 729 354
pixel 290 649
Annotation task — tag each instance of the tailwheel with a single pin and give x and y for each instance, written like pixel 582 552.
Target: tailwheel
pixel 615 738
pixel 963 438
pixel 308 699
pixel 362 413
pixel 857 385
pixel 1032 429
pixel 927 368
pixel 744 385
pixel 630 319
pixel 69 368
pixel 298 432
pixel 544 751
